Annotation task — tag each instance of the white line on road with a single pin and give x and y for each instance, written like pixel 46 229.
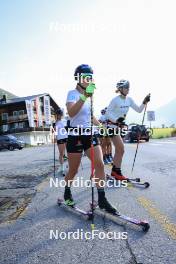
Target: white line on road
pixel 167 142
pixel 155 144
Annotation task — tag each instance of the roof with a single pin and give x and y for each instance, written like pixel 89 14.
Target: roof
pixel 22 99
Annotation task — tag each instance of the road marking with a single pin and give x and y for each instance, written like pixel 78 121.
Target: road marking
pixel 159 143
pixel 155 144
pixel 164 221
pixel 20 211
pixel 167 142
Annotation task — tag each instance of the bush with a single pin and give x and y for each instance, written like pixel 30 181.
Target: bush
pixel 163 132
pixel 173 133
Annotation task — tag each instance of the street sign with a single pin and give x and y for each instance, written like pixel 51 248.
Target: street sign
pixel 150 116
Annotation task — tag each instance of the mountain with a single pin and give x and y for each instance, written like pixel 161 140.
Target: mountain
pixel 4 92
pixel 165 114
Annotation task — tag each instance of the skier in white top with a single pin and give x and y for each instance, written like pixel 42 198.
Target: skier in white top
pixel 116 113
pixel 61 135
pixel 105 140
pixel 79 111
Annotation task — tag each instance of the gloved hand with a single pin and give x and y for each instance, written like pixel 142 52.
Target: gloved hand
pixel 88 92
pixel 146 99
pixel 90 89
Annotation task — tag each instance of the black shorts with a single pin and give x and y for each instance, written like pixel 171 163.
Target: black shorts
pixel 62 141
pixel 76 144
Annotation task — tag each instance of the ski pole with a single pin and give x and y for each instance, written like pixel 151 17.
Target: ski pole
pixel 92 161
pixel 54 154
pixel 138 140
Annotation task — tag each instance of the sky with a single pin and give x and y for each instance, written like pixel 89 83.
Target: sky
pixel 43 41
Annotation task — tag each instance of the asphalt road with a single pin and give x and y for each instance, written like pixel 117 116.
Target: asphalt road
pixel 20 172
pixel 27 240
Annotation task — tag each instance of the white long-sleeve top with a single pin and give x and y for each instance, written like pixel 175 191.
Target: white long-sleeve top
pixel 119 107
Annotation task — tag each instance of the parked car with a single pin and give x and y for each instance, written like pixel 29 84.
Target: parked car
pixel 136 132
pixel 10 142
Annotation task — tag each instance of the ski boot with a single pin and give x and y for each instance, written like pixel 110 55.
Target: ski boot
pixel 68 197
pixel 117 174
pixel 104 204
pixel 109 158
pixel 105 160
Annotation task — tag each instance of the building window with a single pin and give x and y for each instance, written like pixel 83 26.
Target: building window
pixel 15 125
pixel 21 125
pixel 21 112
pixel 15 113
pixel 4 128
pixel 4 116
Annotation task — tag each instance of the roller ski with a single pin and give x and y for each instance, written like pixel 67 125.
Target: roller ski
pixel 114 216
pixel 133 182
pixel 69 203
pixel 116 174
pixel 102 203
pixel 71 206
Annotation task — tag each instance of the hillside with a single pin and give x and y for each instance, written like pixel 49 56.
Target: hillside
pixel 165 114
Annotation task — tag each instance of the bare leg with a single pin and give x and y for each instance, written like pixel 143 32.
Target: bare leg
pixel 104 146
pixel 61 148
pixel 100 178
pixel 98 163
pixel 74 160
pixel 109 145
pixel 119 150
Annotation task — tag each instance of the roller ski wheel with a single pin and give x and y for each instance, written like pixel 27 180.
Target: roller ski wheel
pixel 145 226
pixel 140 184
pixel 146 184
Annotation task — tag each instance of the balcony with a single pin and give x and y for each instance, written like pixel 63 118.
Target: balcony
pixel 25 129
pixel 15 118
pixel 19 118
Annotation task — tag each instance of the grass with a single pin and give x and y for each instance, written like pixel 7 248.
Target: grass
pixel 163 132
